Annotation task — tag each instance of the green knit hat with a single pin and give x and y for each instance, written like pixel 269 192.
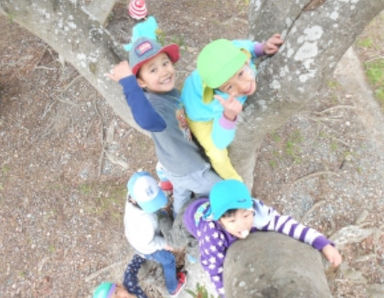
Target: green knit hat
pixel 218 61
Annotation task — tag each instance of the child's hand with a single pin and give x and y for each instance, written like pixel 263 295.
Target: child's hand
pixel 169 248
pixel 232 107
pixel 332 255
pixel 120 71
pixel 272 45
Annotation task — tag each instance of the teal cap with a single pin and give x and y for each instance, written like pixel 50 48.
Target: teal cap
pixel 104 290
pixel 226 195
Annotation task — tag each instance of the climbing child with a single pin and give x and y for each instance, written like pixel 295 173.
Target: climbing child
pixel 214 94
pixel 130 287
pixel 141 226
pixel 230 214
pixel 148 83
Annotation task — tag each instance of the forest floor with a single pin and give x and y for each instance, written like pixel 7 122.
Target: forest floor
pixel 65 158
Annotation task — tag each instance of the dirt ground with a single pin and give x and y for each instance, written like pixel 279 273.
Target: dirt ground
pixel 65 158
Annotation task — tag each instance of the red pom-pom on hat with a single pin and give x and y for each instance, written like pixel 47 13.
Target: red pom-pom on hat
pixel 137 9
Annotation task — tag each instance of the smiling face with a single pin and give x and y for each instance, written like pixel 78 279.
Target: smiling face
pixel 243 82
pixel 238 223
pixel 158 74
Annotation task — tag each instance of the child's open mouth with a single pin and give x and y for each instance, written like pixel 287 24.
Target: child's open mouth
pixel 167 80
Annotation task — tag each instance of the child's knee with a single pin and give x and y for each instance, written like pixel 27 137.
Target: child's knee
pixel 168 258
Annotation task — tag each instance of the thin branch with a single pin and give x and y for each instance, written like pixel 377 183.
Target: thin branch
pixel 316 174
pixel 102 137
pixel 313 208
pixel 103 270
pixel 71 83
pixel 334 108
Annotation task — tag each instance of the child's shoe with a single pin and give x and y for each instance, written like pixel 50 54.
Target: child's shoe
pixel 182 282
pixel 164 183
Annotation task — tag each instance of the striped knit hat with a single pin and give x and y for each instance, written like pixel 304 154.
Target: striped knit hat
pixel 137 9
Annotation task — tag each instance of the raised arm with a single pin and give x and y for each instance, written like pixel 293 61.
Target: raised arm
pixel 142 110
pixel 268 219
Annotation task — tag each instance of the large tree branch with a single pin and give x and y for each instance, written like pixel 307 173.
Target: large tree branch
pixel 77 37
pixel 101 9
pixel 317 34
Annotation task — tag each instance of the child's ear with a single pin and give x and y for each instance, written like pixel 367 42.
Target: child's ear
pixel 141 83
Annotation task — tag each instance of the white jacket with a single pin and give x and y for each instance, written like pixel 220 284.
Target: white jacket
pixel 142 230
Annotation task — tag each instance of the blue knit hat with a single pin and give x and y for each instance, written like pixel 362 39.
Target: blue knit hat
pixel 144 49
pixel 143 188
pixel 226 195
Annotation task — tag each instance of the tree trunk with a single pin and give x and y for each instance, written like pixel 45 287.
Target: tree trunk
pixel 274 265
pixel 316 33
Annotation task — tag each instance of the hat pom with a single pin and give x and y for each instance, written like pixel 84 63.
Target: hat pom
pixel 137 9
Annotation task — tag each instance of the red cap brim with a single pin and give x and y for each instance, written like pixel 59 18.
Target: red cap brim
pixel 171 50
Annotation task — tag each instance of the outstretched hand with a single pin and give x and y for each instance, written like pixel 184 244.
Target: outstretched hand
pixel 120 71
pixel 332 255
pixel 232 106
pixel 272 45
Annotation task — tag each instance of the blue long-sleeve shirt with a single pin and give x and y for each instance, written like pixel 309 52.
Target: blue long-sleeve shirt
pixel 162 114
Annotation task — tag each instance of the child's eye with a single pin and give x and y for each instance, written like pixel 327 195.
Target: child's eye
pixel 228 88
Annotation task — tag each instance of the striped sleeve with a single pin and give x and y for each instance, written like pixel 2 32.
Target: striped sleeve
pixel 268 219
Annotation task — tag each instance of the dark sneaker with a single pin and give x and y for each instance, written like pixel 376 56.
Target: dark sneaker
pixel 182 278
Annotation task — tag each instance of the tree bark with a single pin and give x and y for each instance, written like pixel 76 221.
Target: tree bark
pixel 274 265
pixel 79 38
pixel 316 33
pixel 101 9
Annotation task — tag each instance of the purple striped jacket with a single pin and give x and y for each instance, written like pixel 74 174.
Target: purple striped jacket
pixel 214 240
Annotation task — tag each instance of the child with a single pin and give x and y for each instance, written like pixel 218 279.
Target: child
pixel 111 290
pixel 141 226
pixel 225 72
pixel 149 87
pixel 130 287
pixel 231 214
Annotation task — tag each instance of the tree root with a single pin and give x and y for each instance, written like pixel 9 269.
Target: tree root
pixel 316 174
